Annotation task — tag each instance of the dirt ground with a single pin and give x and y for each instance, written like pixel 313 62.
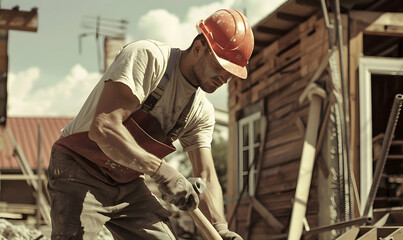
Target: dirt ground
pixel 10 231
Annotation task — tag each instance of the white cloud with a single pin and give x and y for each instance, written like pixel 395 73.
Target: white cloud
pixel 20 84
pixel 65 97
pixel 161 25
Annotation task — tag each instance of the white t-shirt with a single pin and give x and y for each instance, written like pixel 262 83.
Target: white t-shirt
pixel 140 65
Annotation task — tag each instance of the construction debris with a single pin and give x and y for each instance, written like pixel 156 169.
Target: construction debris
pixel 10 231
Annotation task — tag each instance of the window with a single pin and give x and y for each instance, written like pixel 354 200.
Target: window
pixel 249 142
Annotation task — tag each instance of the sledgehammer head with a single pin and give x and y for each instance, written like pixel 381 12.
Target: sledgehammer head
pixel 198 184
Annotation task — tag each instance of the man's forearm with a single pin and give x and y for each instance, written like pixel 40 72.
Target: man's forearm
pixel 212 204
pixel 211 201
pixel 118 144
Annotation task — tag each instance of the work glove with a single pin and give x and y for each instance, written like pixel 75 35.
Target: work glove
pixel 175 188
pixel 222 229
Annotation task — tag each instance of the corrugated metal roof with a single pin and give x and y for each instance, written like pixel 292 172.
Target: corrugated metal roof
pixel 25 132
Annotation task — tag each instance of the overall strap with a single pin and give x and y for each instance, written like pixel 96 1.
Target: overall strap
pixel 173 134
pixel 156 95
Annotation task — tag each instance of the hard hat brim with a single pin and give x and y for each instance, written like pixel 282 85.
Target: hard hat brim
pixel 230 67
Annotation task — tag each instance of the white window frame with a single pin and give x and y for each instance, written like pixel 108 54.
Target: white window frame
pixel 368 66
pixel 248 120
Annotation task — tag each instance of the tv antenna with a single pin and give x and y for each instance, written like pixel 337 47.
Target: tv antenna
pixel 102 28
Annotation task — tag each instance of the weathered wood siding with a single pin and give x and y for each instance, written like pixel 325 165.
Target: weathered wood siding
pixel 278 74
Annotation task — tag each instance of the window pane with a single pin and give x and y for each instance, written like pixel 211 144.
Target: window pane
pixel 245 135
pixel 256 131
pixel 255 156
pixel 246 182
pixel 245 160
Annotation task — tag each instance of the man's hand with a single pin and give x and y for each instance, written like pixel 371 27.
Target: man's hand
pixel 175 188
pixel 222 229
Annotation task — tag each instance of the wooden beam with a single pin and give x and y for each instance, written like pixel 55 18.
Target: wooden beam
pixel 398 234
pixel 307 162
pixel 269 30
pixel 3 76
pixel 355 46
pixel 19 20
pixel 352 234
pixel 266 215
pixel 291 17
pixel 379 23
pixel 13 177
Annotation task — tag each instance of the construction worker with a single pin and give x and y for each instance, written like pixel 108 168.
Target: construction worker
pixel 151 95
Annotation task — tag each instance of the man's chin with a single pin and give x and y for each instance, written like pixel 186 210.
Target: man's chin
pixel 209 90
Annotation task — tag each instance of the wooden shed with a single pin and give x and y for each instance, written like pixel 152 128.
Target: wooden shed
pixel 314 130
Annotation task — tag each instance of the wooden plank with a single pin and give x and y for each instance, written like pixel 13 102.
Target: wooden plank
pixel 306 168
pixel 286 172
pixel 20 177
pixel 281 80
pixel 398 234
pixel 27 170
pixel 303 28
pixel 261 58
pixel 290 136
pixel 382 232
pixel 248 221
pixel 19 20
pixel 3 75
pixel 395 157
pixel 288 95
pixel 283 154
pixel 284 110
pixel 28 209
pixel 380 23
pixel 232 168
pixel 291 123
pixel 370 235
pixel 266 65
pixel 312 61
pixel 350 235
pixel 397 216
pixel 355 52
pixel 283 201
pixel 288 49
pixel 282 187
pixel 267 216
pixel 242 212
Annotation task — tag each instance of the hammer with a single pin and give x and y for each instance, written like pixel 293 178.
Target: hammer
pixel 201 221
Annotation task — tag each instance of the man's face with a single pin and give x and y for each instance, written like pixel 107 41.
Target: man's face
pixel 208 72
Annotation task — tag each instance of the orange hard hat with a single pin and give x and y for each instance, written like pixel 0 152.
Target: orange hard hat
pixel 230 38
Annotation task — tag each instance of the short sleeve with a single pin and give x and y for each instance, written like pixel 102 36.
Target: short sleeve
pixel 200 133
pixel 138 65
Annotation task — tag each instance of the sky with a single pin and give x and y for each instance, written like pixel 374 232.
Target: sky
pixel 49 76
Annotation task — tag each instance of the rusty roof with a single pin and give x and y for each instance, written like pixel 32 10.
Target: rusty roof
pixel 25 132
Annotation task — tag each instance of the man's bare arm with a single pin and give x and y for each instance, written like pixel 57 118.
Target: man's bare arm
pixel 211 203
pixel 116 103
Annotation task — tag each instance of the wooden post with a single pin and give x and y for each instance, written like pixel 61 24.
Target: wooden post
pixel 39 174
pixel 307 163
pixel 11 20
pixel 3 75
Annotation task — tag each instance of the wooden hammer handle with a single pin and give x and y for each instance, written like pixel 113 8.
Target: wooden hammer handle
pixel 204 225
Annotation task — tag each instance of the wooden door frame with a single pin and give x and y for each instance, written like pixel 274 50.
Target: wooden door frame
pixel 368 66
